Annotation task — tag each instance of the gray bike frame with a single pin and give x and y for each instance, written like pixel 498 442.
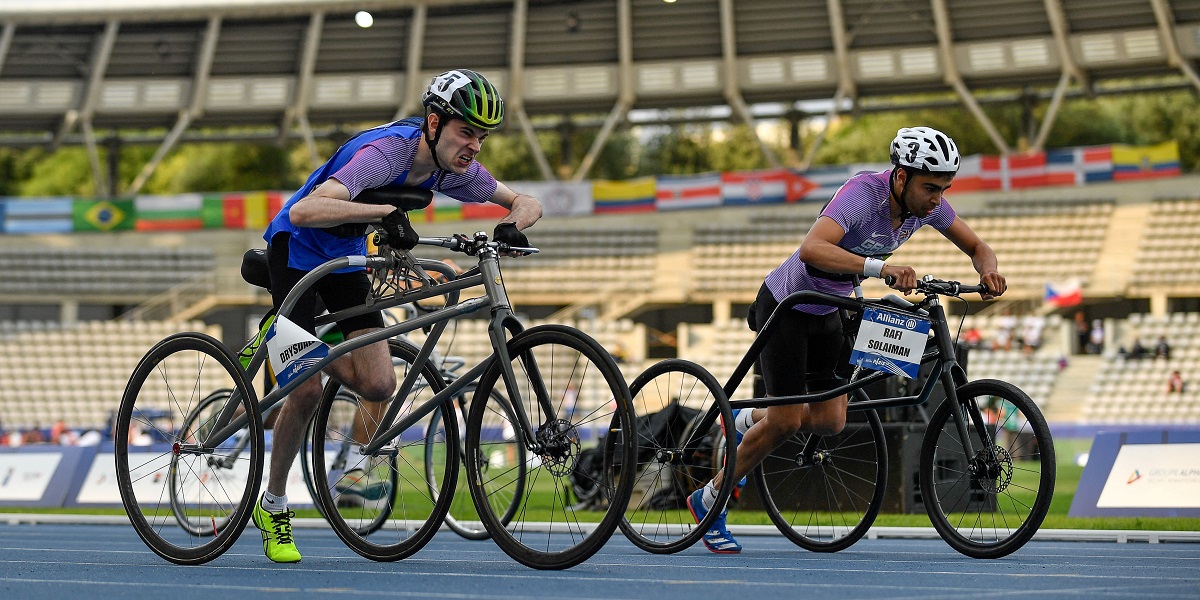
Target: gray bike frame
pixel 503 320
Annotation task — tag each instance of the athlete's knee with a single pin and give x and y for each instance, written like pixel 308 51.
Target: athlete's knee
pixel 780 426
pixel 378 388
pixel 827 423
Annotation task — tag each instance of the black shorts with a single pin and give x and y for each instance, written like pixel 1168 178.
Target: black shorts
pixel 803 351
pixel 338 291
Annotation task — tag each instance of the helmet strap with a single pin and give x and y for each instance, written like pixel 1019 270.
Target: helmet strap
pixel 432 143
pixel 905 213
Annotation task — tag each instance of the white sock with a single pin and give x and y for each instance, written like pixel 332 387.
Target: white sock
pixel 709 497
pixel 744 420
pixel 274 504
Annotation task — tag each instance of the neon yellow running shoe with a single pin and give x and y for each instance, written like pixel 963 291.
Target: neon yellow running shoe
pixel 276 529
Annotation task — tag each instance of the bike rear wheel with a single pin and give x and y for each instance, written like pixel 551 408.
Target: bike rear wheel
pixel 823 492
pixel 988 502
pixel 675 456
pixel 573 393
pixel 382 505
pixel 169 474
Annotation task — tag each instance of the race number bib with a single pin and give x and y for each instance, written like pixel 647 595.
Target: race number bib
pixel 292 350
pixel 447 83
pixel 890 342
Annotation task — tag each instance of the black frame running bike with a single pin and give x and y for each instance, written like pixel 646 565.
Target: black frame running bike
pixel 987 463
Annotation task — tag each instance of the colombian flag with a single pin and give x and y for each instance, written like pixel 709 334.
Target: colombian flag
pixel 633 196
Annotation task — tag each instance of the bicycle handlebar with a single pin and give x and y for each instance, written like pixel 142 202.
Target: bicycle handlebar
pixel 466 245
pixel 929 285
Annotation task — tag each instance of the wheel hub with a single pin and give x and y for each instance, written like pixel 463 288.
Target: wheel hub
pixel 559 442
pixel 992 468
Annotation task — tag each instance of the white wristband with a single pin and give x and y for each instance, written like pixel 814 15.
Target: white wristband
pixel 873 267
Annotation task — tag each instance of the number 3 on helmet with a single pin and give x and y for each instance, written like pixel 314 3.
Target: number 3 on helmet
pixel 925 149
pixel 467 95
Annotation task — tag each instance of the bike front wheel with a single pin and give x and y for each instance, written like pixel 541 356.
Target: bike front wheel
pixel 988 496
pixel 170 467
pixel 823 492
pixel 381 504
pixel 676 455
pixel 573 394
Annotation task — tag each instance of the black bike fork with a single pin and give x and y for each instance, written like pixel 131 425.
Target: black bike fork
pixel 951 376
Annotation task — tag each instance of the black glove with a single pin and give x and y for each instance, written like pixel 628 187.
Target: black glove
pixel 400 231
pixel 509 234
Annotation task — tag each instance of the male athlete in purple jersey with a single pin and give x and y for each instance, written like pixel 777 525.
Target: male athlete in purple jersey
pixel 322 221
pixel 869 217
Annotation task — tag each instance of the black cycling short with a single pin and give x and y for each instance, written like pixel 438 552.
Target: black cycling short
pixel 338 291
pixel 803 351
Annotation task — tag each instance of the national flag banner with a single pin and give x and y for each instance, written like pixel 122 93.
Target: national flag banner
pixel 212 211
pixel 487 211
pixel 1097 163
pixel 169 213
pixel 1079 165
pixel 631 196
pixel 558 198
pixel 275 202
pixel 233 211
pixel 255 209
pixel 443 208
pixel 678 192
pixel 103 215
pixel 819 185
pixel 743 188
pixel 1063 166
pixel 1145 162
pixel 39 215
pixel 1062 294
pixel 978 172
pixel 1024 170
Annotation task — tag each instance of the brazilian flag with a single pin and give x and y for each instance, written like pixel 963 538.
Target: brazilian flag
pixel 102 215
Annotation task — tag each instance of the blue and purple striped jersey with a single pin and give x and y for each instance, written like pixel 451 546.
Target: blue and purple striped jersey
pixel 861 208
pixel 374 158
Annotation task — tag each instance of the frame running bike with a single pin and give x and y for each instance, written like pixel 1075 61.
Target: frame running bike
pixel 559 385
pixel 987 461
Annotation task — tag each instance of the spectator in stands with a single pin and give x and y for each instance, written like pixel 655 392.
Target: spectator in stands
pixel 1031 333
pixel 869 217
pixel 1162 349
pixel 62 435
pixel 1082 333
pixel 973 338
pixel 1096 337
pixel 1136 351
pixel 322 221
pixel 33 436
pixel 1175 383
pixel 1006 326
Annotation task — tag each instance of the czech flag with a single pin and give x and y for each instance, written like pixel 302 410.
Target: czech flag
pixel 1062 294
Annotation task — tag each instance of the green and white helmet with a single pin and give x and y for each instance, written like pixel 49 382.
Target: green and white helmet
pixel 466 95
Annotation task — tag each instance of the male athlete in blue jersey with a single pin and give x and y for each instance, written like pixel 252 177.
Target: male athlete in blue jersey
pixel 868 217
pixel 322 221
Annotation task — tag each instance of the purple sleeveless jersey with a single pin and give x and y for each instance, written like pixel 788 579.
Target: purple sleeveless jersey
pixel 861 208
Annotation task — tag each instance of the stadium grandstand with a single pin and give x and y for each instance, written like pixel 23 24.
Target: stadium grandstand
pixel 78 309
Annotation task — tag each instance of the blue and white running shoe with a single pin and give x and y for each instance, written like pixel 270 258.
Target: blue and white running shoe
pixel 717 538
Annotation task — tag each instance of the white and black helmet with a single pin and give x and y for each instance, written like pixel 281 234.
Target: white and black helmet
pixel 925 149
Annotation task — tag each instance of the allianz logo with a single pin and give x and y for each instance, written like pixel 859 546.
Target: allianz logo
pixel 896 321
